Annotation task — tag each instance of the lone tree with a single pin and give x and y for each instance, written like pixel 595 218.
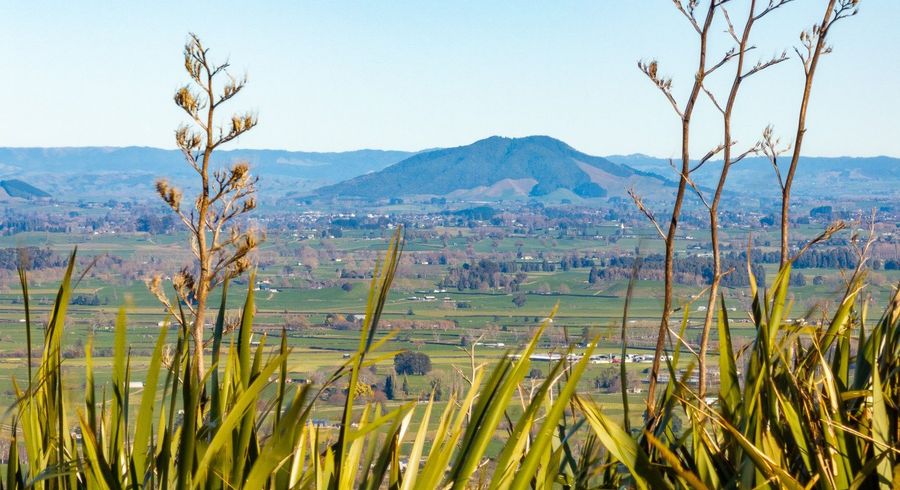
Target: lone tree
pixel 219 242
pixel 519 300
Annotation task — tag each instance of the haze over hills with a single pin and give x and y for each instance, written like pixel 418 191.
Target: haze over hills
pixel 97 173
pixel 499 168
pixel 815 177
pixel 491 169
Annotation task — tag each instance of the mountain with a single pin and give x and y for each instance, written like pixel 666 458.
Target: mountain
pixel 815 177
pixel 491 169
pixel 499 168
pixel 99 173
pixel 22 190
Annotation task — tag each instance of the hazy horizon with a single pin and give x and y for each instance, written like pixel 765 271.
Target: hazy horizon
pixel 301 150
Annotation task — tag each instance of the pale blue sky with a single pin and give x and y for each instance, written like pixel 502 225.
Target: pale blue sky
pixel 331 76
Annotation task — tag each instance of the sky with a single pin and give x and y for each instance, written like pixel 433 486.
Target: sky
pixel 411 75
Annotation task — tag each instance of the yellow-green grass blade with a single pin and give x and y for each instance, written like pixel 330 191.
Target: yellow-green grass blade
pixel 216 409
pixel 688 478
pixel 245 401
pixel 240 448
pixel 415 454
pixel 378 293
pixel 279 446
pixel 440 456
pixel 490 409
pixel 144 422
pixel 517 440
pixel 622 447
pixel 103 476
pixel 119 387
pixel 729 383
pixel 541 444
pixel 881 429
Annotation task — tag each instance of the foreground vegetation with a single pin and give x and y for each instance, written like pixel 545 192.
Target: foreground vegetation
pixel 803 405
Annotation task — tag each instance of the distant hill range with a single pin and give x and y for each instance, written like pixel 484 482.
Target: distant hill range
pixel 99 173
pixel 19 189
pixel 535 167
pixel 816 176
pixel 500 168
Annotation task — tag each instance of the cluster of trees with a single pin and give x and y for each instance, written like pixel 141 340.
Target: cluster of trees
pixel 155 224
pixel 353 274
pixel 797 279
pixel 575 262
pixel 35 258
pixel 340 321
pixel 828 258
pixel 390 387
pixel 412 363
pixel 88 300
pixel 687 270
pixel 542 266
pixel 485 274
pixel 11 227
pixel 821 212
pixel 479 213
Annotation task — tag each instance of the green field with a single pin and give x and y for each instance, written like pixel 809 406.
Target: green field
pixel 437 322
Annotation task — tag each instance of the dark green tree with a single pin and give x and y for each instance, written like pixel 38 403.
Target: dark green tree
pixel 412 363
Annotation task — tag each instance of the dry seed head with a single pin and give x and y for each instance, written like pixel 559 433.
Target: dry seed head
pixel 192 66
pixel 239 266
pixel 167 356
pixel 187 139
pixel 181 136
pixel 240 173
pixel 186 100
pixel 154 284
pixel 183 281
pixel 169 194
pixel 233 86
pixel 242 123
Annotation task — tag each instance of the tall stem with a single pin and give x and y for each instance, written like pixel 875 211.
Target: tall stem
pixel 801 130
pixel 676 209
pixel 714 205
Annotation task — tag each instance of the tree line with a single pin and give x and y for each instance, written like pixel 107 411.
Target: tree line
pixel 688 270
